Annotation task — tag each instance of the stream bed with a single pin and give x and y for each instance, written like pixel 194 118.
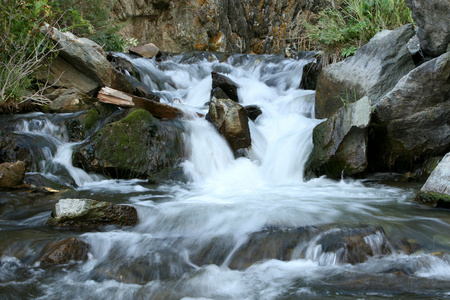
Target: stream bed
pixel 247 228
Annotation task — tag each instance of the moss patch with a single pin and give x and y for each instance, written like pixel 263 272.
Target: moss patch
pixel 91 118
pixel 441 200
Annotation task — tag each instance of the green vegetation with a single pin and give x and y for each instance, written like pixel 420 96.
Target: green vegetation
pixel 340 31
pixel 24 49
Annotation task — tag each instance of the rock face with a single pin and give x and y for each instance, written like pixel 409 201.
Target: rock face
pixel 215 25
pixel 64 252
pixel 372 71
pixel 12 174
pixel 411 122
pixel 90 213
pixel 134 147
pixel 437 187
pixel 433 26
pixel 231 120
pixel 340 143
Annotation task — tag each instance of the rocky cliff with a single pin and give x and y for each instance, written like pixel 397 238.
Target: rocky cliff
pixel 254 26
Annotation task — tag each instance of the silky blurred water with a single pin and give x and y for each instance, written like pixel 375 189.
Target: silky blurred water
pixel 223 203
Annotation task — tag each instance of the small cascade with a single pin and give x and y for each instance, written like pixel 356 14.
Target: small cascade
pixel 246 227
pixel 54 158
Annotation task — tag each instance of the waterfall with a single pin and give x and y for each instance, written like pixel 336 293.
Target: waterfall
pixel 247 227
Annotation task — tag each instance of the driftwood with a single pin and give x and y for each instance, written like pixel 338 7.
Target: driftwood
pixel 159 110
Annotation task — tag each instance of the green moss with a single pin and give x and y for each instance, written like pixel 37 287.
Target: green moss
pixel 139 115
pixel 126 143
pixel 91 118
pixel 434 198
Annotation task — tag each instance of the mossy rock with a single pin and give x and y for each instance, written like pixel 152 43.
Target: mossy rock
pixel 438 199
pixel 134 147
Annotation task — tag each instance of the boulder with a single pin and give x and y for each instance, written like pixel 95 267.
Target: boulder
pixel 253 111
pixel 12 174
pixel 225 84
pixel 134 147
pixel 411 121
pixel 340 143
pixel 83 57
pixel 373 71
pixel 433 30
pixel 437 187
pixel 231 120
pixel 91 214
pixel 63 252
pixel 147 50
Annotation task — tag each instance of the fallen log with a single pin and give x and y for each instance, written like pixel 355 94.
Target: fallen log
pixel 119 98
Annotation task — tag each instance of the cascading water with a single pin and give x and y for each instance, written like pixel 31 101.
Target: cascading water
pixel 245 228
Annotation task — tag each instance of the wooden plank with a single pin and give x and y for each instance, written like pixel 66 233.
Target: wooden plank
pixel 112 96
pixel 157 109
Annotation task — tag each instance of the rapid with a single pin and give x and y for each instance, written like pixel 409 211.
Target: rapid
pixel 219 234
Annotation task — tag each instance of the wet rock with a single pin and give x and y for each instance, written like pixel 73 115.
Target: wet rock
pixel 433 30
pixel 310 75
pixel 373 71
pixel 328 244
pixel 147 50
pixel 40 181
pixel 161 261
pixel 271 243
pixel 26 148
pixel 253 111
pixel 410 123
pixel 91 214
pixel 12 174
pixel 340 143
pixel 231 121
pixel 228 86
pixel 436 189
pixel 135 147
pixel 215 252
pixel 354 245
pixel 63 252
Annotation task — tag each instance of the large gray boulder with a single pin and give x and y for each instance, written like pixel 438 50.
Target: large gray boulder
pixel 432 20
pixel 90 213
pixel 340 143
pixel 81 63
pixel 436 189
pixel 373 71
pixel 231 120
pixel 411 122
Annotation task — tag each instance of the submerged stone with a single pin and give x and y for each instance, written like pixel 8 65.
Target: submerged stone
pixel 63 252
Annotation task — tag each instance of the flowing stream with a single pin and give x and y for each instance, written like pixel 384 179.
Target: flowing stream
pixel 203 239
